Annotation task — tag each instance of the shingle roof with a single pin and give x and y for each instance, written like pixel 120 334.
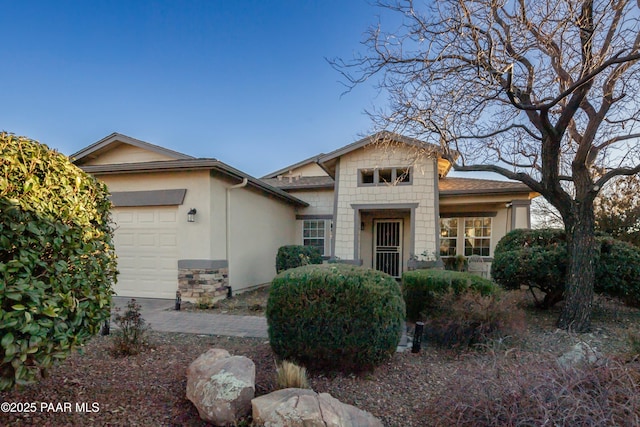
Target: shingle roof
pixel 302 182
pixel 192 164
pixel 461 186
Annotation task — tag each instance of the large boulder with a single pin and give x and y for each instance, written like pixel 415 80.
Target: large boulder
pixel 221 386
pixel 296 407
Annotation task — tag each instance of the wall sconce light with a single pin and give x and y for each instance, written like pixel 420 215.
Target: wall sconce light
pixel 191 215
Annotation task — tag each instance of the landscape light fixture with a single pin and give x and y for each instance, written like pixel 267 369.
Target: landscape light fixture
pixel 191 215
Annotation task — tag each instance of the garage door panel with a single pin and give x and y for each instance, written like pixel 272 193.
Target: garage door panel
pixel 146 217
pixel 167 240
pixel 146 242
pixel 147 239
pixel 167 217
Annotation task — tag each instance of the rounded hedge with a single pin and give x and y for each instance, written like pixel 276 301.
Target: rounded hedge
pixel 335 317
pixel 57 262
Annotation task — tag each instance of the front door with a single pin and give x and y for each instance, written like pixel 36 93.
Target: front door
pixel 387 250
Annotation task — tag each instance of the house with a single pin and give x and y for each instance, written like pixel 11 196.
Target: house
pixel 199 225
pixel 188 224
pixel 386 199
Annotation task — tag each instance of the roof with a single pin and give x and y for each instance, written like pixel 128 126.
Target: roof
pixel 301 183
pixel 189 165
pixel 323 158
pixel 465 186
pixel 116 137
pixel 312 159
pixel 377 137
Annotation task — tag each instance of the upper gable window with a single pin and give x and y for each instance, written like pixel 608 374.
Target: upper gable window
pixel 384 176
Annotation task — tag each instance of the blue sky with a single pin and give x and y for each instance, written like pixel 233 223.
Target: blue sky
pixel 243 81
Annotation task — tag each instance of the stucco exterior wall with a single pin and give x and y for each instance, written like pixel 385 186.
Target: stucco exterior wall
pixel 310 169
pixel 422 192
pixel 320 201
pixel 198 240
pixel 259 226
pixel 126 153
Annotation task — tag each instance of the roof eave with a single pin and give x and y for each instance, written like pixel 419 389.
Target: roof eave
pixel 115 136
pixel 191 165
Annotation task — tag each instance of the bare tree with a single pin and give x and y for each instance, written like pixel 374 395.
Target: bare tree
pixel 544 215
pixel 540 91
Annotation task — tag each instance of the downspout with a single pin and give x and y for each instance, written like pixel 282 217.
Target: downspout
pixel 244 183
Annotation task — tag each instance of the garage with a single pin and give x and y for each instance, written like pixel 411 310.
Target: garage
pixel 146 243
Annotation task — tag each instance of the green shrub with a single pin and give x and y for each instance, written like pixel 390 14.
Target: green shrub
pixel 421 287
pixel 292 256
pixel 335 317
pixel 618 272
pixel 520 238
pixel 538 259
pixel 542 268
pixel 57 263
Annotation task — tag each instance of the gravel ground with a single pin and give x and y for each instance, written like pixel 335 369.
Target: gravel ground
pixel 149 389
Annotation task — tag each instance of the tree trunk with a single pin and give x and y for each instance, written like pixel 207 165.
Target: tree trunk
pixel 583 255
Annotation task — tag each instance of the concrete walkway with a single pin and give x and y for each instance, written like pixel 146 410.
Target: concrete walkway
pixel 161 315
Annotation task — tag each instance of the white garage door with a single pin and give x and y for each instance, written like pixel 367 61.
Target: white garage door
pixel 146 245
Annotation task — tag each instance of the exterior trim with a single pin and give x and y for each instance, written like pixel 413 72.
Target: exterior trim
pixel 384 206
pixel 303 217
pixel 202 264
pixel 394 177
pixel 118 137
pixel 191 165
pixel 148 198
pixel 436 207
pixel 392 206
pixel 335 209
pixel 520 203
pixel 374 138
pixel 491 214
pixel 312 159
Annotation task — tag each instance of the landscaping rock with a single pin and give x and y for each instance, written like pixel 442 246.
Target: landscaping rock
pixel 579 354
pixel 221 386
pixel 296 407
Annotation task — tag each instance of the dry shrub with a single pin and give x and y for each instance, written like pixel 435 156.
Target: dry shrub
pixel 471 318
pixel 290 375
pixel 130 338
pixel 514 390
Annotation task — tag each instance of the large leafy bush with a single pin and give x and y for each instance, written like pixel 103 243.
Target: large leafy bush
pixel 538 259
pixel 57 263
pixel 292 256
pixel 618 272
pixel 421 288
pixel 335 316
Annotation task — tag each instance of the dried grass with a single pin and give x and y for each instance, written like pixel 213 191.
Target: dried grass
pixel 290 375
pixel 513 389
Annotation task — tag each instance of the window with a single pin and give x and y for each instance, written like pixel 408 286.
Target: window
pixel 313 233
pixel 448 236
pixel 477 236
pixel 367 176
pixel 465 236
pixel 385 176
